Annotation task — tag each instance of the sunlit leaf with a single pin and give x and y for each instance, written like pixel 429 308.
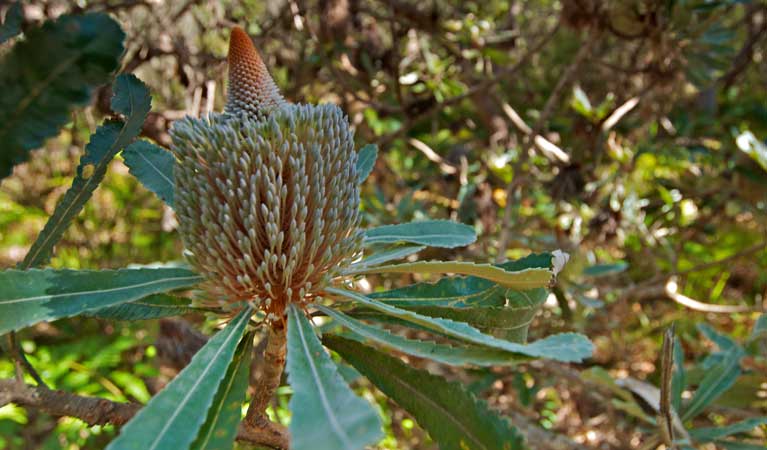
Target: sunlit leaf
pixel 131 98
pixel 462 291
pixel 562 347
pixel 53 69
pixel 326 415
pixel 523 279
pixel 153 167
pixel 434 233
pixel 454 418
pixel 172 419
pixel 31 296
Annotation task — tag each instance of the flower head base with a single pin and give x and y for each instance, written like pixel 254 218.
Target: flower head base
pixel 267 199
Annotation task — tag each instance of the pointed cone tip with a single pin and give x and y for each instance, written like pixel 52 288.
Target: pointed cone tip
pixel 250 85
pixel 241 48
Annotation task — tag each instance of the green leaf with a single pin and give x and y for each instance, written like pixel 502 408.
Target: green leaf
pixel 509 322
pixel 456 355
pixel 366 159
pixel 461 291
pixel 562 347
pixel 131 98
pixel 326 415
pixel 457 292
pixel 703 435
pixel 601 270
pixel 54 69
pixel 679 377
pixel 152 307
pixel 389 255
pixel 220 427
pixel 434 233
pixel 715 382
pixel 735 445
pixel 12 24
pixel 523 279
pixel 153 166
pixel 173 418
pixel 31 296
pixel 453 417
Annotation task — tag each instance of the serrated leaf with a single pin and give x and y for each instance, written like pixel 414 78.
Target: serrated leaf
pixel 434 233
pixel 453 417
pixel 455 354
pixel 151 307
pixel 31 296
pixel 703 435
pixel 509 322
pixel 12 23
pixel 220 427
pixel 389 255
pixel 131 98
pixel 366 159
pixel 153 167
pixel 54 69
pixel 715 382
pixel 326 415
pixel 459 291
pixel 567 347
pixel 523 279
pixel 173 418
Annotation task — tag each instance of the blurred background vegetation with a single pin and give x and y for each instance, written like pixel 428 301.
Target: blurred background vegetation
pixel 629 133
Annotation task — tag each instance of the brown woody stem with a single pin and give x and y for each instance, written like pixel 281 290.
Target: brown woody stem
pixel 271 374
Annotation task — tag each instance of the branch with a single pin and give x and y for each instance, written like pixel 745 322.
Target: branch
pixel 270 376
pixel 92 410
pixel 99 411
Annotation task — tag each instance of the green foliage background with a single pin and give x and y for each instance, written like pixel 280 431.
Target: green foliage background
pixel 675 188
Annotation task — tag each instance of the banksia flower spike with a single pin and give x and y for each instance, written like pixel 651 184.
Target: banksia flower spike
pixel 266 193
